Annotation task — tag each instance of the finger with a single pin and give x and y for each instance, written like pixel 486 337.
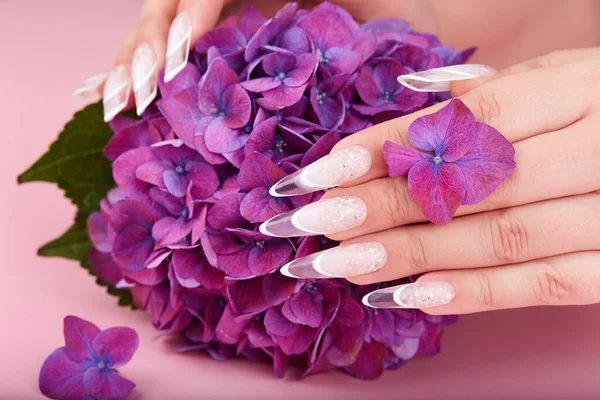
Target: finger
pixel 194 18
pixel 487 239
pixel 137 63
pixel 554 59
pixel 557 164
pixel 519 106
pixel 568 279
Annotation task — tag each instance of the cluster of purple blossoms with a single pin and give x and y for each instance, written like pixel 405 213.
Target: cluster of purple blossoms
pixel 258 100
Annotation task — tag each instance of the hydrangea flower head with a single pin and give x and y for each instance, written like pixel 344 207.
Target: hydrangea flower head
pixel 86 366
pixel 259 99
pixel 460 161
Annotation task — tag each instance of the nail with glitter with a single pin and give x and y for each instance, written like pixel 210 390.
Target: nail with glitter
pixel 144 72
pixel 90 88
pixel 330 171
pixel 324 217
pixel 116 92
pixel 178 45
pixel 412 295
pixel 338 262
pixel 439 79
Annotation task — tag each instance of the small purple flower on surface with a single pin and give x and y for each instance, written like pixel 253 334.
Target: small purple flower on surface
pixel 85 368
pixel 460 162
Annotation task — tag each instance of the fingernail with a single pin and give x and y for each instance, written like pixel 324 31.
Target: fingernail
pixel 178 45
pixel 321 218
pixel 439 79
pixel 116 92
pixel 412 295
pixel 90 88
pixel 338 262
pixel 144 72
pixel 330 171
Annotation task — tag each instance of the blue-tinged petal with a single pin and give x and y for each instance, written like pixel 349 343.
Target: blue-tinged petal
pixel 116 346
pixel 61 377
pixel 103 384
pixel 79 335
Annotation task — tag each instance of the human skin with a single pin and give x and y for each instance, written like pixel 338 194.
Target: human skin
pixel 525 103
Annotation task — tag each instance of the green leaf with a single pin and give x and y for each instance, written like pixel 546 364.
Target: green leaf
pixel 76 162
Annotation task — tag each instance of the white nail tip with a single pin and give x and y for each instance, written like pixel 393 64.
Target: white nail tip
pixel 116 92
pixel 412 295
pixel 89 89
pixel 439 79
pixel 144 73
pixel 178 45
pixel 330 171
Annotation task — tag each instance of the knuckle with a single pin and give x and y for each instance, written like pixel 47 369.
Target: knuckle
pixel 509 238
pixel 417 259
pixel 484 293
pixel 394 202
pixel 551 287
pixel 488 107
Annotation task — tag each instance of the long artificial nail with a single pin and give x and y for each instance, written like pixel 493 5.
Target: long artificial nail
pixel 338 262
pixel 439 79
pixel 332 170
pixel 90 88
pixel 323 217
pixel 178 45
pixel 412 295
pixel 116 92
pixel 144 72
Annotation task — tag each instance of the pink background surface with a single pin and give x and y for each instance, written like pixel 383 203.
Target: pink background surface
pixel 48 48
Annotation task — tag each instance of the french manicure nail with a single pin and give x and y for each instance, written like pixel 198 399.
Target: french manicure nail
pixel 144 72
pixel 439 79
pixel 178 45
pixel 412 295
pixel 338 262
pixel 330 171
pixel 116 92
pixel 326 216
pixel 90 88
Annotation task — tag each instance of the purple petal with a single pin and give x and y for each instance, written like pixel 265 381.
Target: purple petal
pixel 236 265
pixel 258 337
pixel 417 58
pixel 124 172
pixel 342 61
pixel 299 341
pixel 226 212
pixel 116 345
pixel 100 384
pixel 259 206
pixel 105 267
pixel 246 296
pixel 280 97
pixel 258 171
pixel 262 137
pixel 295 40
pixel 132 247
pixel 188 77
pixel 97 228
pixel 176 183
pixel 61 377
pixel 272 256
pixel 152 172
pixel 208 155
pixel 330 111
pixel 305 307
pixel 223 244
pixel 229 331
pixel 220 139
pixel 277 324
pixel 277 288
pixel 326 29
pixel 449 132
pixel 400 159
pixel 488 162
pixel 225 39
pixel 269 31
pixel 237 105
pixel 140 134
pixel 260 85
pixel 188 265
pixel 438 188
pixel 369 361
pixel 79 335
pixel 127 212
pixel 181 110
pixel 149 276
pixel 169 231
pixel 250 20
pixel 204 179
pixel 276 63
pixel 321 148
pixel 215 81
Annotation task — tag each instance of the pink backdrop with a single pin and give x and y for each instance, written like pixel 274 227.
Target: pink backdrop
pixel 47 49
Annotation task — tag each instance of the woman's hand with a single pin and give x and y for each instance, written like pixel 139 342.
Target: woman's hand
pixel 534 241
pixel 167 28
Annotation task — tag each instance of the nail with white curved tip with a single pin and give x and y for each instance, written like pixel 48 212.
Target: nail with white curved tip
pixel 116 92
pixel 144 72
pixel 338 262
pixel 178 45
pixel 330 171
pixel 90 88
pixel 411 295
pixel 439 79
pixel 326 216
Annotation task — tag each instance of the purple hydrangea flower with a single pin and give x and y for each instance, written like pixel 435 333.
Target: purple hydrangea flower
pixel 460 162
pixel 259 99
pixel 86 366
